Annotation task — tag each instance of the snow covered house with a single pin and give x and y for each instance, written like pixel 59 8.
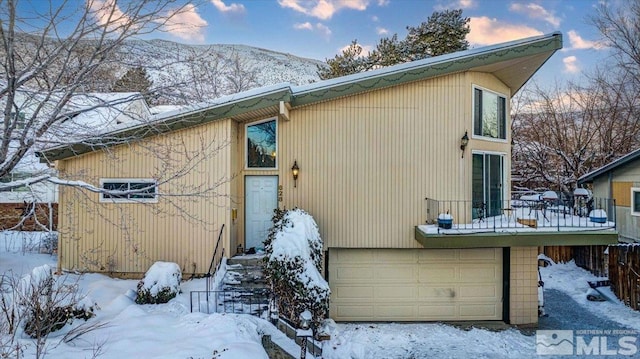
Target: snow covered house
pixel 366 151
pixel 620 180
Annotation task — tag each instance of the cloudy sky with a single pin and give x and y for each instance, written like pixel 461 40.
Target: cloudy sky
pixel 319 29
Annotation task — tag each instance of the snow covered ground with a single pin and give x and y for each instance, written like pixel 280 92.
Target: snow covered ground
pixel 171 331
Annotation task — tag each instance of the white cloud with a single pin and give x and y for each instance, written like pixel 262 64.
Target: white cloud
pixel 466 4
pixel 107 12
pixel 381 31
pixel 233 8
pixel 319 27
pixel 578 43
pixel 303 26
pixel 186 24
pixel 456 4
pixel 536 11
pixel 383 2
pixel 374 18
pixel 571 64
pixel 366 49
pixel 324 30
pixel 322 9
pixel 486 31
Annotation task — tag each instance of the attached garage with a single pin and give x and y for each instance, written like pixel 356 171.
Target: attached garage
pixel 415 284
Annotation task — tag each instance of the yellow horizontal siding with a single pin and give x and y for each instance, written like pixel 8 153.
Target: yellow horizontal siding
pixel 181 227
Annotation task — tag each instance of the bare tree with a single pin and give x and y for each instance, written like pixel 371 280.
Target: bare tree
pixel 566 132
pixel 618 22
pixel 241 76
pixel 45 65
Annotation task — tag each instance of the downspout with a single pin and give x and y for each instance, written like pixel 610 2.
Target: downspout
pixel 611 208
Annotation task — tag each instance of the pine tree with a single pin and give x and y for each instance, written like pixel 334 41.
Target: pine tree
pixel 349 62
pixel 444 32
pixel 134 80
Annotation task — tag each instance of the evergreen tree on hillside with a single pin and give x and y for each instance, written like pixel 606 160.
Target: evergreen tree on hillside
pixel 134 80
pixel 444 32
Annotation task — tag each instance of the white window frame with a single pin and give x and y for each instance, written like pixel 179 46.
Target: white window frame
pixel 504 168
pixel 151 181
pixel 473 114
pixel 246 145
pixel 633 204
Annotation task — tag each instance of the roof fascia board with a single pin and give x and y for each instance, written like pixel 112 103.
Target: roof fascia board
pixel 591 176
pixel 173 123
pixel 425 69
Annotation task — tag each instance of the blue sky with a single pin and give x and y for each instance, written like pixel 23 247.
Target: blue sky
pixel 319 29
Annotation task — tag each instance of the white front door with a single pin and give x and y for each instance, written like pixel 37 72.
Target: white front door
pixel 261 198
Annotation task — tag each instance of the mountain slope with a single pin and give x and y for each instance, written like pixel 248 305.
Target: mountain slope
pixel 185 73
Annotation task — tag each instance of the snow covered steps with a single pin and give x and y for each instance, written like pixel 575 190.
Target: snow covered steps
pixel 245 287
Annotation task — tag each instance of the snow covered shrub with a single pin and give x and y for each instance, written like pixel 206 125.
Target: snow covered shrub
pixel 160 284
pixel 44 303
pixel 293 264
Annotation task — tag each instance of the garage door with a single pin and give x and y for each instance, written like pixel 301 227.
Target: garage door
pixel 416 284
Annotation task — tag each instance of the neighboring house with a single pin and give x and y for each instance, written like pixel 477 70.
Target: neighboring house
pixel 620 180
pixel 89 114
pixel 369 147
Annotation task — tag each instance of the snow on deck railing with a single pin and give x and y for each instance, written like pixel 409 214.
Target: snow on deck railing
pixel 527 213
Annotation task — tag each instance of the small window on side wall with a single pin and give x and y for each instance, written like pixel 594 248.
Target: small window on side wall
pixel 262 144
pixel 489 114
pixel 635 201
pixel 129 190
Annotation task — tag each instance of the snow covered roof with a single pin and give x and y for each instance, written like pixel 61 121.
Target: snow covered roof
pixel 512 62
pixel 591 176
pixel 91 114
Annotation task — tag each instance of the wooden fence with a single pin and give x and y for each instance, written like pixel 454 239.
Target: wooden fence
pixel 624 273
pixel 559 254
pixel 591 258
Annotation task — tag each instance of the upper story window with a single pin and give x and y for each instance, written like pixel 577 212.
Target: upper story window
pixel 129 190
pixel 489 114
pixel 262 144
pixel 635 201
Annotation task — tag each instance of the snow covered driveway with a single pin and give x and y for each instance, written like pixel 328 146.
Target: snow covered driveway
pixel 565 313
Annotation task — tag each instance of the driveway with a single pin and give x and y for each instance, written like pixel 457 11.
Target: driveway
pixel 564 313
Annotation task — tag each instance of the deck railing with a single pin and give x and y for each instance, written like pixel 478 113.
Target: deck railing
pixel 564 213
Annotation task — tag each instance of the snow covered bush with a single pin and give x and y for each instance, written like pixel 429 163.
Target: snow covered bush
pixel 42 302
pixel 160 284
pixel 293 265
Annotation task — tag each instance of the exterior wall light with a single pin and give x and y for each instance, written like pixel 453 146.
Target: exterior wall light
pixel 294 171
pixel 464 141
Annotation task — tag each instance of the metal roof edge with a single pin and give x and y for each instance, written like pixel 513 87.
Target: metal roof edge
pixel 629 157
pixel 426 68
pixel 225 107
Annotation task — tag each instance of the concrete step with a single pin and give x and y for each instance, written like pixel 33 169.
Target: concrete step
pixel 247 260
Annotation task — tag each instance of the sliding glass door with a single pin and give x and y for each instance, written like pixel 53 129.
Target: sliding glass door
pixel 487 185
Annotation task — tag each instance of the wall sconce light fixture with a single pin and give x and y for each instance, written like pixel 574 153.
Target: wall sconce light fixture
pixel 294 171
pixel 464 141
